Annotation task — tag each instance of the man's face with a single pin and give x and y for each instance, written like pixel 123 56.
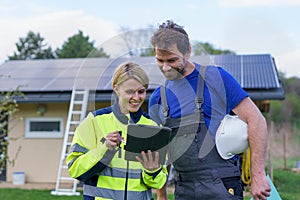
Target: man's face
pixel 171 62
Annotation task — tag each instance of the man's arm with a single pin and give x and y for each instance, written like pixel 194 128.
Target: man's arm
pixel 258 142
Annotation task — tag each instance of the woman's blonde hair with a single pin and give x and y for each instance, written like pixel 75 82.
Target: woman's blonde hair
pixel 128 71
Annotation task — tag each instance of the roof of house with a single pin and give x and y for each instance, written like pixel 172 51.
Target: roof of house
pixel 54 79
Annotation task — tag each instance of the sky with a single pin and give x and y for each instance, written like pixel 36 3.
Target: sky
pixel 242 26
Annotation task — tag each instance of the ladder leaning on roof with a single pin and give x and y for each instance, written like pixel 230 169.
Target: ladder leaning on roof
pixel 65 185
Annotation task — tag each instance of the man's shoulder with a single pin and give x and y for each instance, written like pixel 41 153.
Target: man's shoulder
pixel 207 70
pixel 215 69
pixel 156 93
pixel 217 72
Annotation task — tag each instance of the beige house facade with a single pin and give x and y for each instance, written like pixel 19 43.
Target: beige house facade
pixel 37 156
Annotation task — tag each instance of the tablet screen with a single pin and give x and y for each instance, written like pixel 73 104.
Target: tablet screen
pixel 143 138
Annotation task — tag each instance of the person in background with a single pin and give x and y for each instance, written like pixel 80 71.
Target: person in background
pixel 96 156
pixel 193 102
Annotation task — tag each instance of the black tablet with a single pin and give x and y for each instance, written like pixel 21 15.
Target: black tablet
pixel 145 137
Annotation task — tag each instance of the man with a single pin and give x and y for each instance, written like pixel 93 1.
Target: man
pixel 193 102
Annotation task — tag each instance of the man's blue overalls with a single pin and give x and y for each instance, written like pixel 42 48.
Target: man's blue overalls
pixel 200 172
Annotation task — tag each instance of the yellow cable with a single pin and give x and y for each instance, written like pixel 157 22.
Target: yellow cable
pixel 246 175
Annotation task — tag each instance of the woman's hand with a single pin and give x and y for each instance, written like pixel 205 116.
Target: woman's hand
pixel 148 162
pixel 113 140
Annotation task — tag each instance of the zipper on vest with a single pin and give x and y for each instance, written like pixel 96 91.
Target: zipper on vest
pixel 120 152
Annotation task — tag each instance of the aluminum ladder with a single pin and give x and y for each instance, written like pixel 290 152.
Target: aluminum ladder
pixel 65 185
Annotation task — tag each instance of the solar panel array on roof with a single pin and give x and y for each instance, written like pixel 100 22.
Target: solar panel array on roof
pixel 251 71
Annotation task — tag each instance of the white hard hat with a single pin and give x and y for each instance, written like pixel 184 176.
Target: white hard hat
pixel 231 137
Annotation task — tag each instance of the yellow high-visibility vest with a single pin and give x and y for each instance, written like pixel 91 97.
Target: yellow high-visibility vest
pixel 103 171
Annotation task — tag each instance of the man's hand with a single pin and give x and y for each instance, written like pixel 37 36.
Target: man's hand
pixel 260 187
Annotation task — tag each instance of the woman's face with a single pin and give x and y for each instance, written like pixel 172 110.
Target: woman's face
pixel 131 95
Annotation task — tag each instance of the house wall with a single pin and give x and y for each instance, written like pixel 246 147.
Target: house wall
pixel 38 157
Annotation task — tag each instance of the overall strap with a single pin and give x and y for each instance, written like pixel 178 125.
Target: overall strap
pixel 199 100
pixel 164 103
pixel 207 144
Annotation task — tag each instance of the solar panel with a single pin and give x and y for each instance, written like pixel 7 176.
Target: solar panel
pixel 251 71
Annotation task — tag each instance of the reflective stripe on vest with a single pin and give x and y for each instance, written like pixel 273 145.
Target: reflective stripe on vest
pixel 76 148
pixel 115 179
pixel 106 159
pixel 121 173
pixel 116 194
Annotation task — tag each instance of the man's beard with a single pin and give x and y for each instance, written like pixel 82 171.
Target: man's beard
pixel 181 71
pixel 177 73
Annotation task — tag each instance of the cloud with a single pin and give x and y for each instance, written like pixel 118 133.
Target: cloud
pixel 192 6
pixel 289 63
pixel 252 3
pixel 54 27
pixel 257 33
pixel 6 8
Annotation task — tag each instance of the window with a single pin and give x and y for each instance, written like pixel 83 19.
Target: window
pixel 44 128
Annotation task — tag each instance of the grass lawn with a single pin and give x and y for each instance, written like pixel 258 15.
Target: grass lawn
pixel 21 194
pixel 286 182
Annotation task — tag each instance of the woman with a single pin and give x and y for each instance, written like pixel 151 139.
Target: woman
pixel 97 154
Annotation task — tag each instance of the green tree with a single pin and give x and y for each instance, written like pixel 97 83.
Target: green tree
pixel 291 85
pixel 287 110
pixel 200 48
pixel 79 46
pixel 276 108
pixel 32 47
pixel 137 42
pixel 147 52
pixel 292 104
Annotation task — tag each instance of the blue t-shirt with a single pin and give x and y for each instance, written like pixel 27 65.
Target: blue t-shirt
pixel 221 94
